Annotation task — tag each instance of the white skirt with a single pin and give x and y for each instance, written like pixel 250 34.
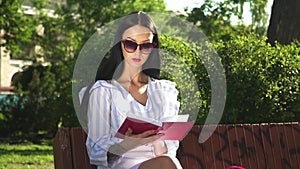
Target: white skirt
pixel 134 158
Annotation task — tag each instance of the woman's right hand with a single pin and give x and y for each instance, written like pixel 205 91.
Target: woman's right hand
pixel 132 141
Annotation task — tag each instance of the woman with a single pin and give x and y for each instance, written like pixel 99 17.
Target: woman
pixel 128 82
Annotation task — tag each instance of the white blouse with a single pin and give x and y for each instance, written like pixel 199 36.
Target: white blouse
pixel 108 107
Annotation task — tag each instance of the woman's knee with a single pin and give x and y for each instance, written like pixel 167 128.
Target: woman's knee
pixel 163 162
pixel 167 161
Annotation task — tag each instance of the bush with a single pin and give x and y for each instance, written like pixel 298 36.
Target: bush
pixel 262 80
pixel 42 102
pixel 183 65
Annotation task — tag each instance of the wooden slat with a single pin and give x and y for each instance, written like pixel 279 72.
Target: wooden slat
pixel 62 149
pixel 275 144
pixel 216 148
pixel 240 144
pixel 250 156
pixel 208 149
pixel 189 153
pixel 224 153
pixel 246 149
pixel 259 149
pixel 268 146
pixel 234 150
pixel 199 151
pixel 288 144
pixel 79 152
pixel 284 146
pixel 294 151
pixel 231 138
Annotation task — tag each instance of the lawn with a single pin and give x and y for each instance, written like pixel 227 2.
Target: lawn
pixel 26 156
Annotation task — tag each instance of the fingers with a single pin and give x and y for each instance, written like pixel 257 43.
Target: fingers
pixel 128 132
pixel 147 133
pixel 131 140
pixel 142 135
pixel 147 140
pixel 152 138
pixel 145 137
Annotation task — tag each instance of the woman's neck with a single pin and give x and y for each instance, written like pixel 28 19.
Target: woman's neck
pixel 133 78
pixel 133 75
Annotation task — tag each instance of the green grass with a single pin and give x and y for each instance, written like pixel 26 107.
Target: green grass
pixel 26 156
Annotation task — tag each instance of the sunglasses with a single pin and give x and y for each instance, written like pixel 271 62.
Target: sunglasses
pixel 131 46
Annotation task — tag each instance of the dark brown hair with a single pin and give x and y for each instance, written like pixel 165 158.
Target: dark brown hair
pixel 112 67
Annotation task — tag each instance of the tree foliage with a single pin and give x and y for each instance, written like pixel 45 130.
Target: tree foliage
pixel 215 18
pixel 81 19
pixel 43 99
pixel 13 33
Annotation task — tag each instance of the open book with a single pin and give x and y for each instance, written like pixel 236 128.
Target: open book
pixel 172 130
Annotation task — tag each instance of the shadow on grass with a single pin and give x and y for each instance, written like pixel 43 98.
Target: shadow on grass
pixel 25 152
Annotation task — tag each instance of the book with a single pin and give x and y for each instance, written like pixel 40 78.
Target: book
pixel 175 130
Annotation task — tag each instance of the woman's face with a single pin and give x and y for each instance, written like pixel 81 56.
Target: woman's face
pixel 131 37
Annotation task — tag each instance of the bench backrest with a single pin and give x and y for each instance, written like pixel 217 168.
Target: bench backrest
pixel 263 146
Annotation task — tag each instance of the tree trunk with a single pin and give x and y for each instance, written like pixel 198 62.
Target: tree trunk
pixel 284 24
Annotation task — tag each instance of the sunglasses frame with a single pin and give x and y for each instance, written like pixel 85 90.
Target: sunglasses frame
pixel 153 44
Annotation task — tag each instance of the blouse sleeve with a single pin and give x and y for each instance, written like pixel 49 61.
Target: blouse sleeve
pixel 172 109
pixel 99 133
pixel 172 103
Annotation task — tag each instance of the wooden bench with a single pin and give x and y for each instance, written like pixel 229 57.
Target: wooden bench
pixel 261 146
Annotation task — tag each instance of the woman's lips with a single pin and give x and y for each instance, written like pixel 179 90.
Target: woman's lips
pixel 136 59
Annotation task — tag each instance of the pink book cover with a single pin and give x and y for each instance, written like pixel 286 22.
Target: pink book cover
pixel 172 130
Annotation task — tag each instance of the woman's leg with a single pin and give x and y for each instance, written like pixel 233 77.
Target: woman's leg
pixel 162 162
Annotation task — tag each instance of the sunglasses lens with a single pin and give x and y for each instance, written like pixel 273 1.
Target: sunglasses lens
pixel 147 47
pixel 130 46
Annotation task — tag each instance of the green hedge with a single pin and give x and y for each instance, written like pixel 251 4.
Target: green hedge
pixel 184 65
pixel 262 80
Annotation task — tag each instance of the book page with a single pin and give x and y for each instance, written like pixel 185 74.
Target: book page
pixel 145 119
pixel 183 118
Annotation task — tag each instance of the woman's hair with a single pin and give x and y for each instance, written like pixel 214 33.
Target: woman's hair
pixel 111 67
